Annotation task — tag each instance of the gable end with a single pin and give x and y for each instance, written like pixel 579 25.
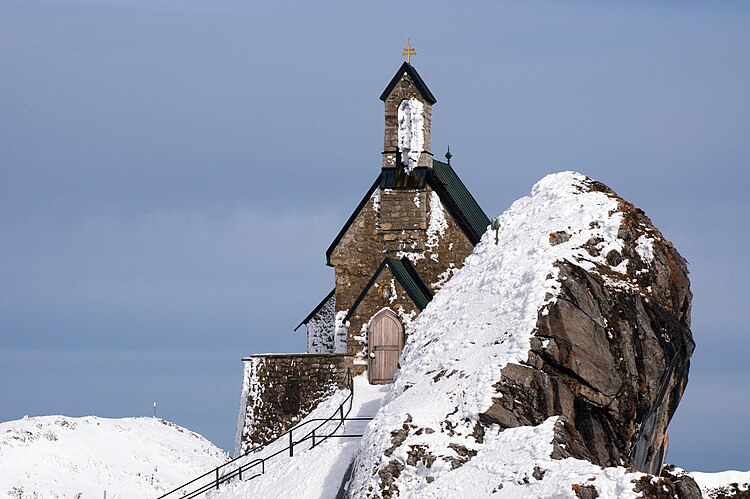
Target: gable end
pixel 406 275
pixel 350 221
pixel 418 83
pixel 316 309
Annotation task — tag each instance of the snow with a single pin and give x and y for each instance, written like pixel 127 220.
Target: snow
pixel 410 132
pixel 318 472
pixel 443 277
pixel 62 457
pixel 437 224
pixel 246 414
pixel 376 202
pixel 525 449
pixel 321 328
pixel 248 379
pixel 341 332
pixel 495 298
pixel 481 320
pixel 708 482
pixel 413 256
pixel 644 246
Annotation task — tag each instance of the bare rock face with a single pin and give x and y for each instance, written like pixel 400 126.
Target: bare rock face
pixel 610 355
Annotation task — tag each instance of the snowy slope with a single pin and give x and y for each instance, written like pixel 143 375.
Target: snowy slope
pixel 424 441
pixel 58 456
pixel 312 473
pixel 723 482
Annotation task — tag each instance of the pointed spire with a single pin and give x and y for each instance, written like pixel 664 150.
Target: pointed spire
pixel 448 155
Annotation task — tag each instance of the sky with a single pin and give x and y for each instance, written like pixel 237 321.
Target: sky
pixel 172 172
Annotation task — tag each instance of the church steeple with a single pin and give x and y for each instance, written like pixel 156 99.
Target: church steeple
pixel 408 117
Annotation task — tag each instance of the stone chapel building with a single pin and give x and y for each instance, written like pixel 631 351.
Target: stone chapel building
pixel 411 231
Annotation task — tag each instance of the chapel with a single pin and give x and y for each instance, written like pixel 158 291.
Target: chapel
pixel 414 227
pixel 411 231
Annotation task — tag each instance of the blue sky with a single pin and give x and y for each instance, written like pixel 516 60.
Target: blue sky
pixel 171 174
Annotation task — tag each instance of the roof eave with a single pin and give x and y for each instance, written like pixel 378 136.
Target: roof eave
pixel 316 309
pixel 389 262
pixel 418 82
pixel 350 220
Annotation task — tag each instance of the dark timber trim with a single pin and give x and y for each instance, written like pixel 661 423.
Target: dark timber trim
pixel 350 221
pixel 406 275
pixel 316 309
pixel 418 82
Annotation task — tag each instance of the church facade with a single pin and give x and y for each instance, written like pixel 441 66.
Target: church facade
pixel 411 231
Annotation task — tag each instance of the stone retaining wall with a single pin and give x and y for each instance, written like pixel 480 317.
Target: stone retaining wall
pixel 279 390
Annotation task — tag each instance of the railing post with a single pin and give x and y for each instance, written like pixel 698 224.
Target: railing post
pixel 217 478
pixel 240 471
pixel 291 444
pixel 341 410
pixel 313 438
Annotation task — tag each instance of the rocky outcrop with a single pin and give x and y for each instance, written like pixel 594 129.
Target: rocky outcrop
pixel 566 334
pixel 611 354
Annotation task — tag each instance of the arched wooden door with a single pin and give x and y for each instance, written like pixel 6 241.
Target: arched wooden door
pixel 385 342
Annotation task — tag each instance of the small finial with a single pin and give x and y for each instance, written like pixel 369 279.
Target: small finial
pixel 448 155
pixel 408 51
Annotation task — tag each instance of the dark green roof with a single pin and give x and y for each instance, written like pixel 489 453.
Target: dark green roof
pixel 418 82
pixel 406 275
pixel 466 207
pixel 395 178
pixel 454 195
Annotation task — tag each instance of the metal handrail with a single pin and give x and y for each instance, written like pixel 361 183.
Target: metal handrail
pixel 218 477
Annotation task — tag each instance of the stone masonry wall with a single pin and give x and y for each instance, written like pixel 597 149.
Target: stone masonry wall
pixel 279 390
pixel 404 89
pixel 394 297
pixel 403 219
pixel 395 223
pixel 358 255
pixel 445 246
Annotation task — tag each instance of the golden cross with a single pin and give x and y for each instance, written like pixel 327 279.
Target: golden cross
pixel 408 51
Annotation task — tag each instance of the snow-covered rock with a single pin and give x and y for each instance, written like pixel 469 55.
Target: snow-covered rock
pixel 493 396
pixel 62 457
pixel 729 484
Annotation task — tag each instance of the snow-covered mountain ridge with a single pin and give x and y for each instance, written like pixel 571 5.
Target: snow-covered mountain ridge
pixel 62 457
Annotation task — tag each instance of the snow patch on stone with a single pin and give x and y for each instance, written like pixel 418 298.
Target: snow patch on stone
pixel 437 223
pixel 644 246
pixel 410 132
pixel 321 328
